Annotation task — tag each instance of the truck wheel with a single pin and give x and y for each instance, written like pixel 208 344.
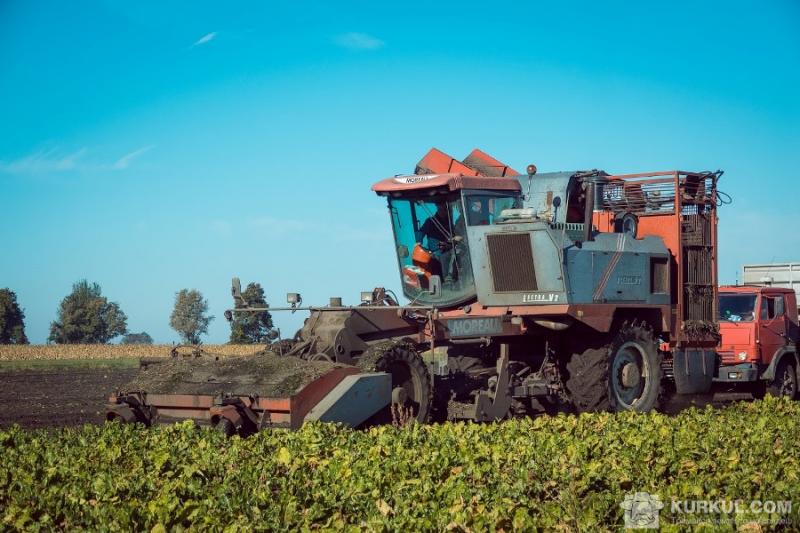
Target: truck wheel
pixel 624 375
pixel 409 372
pixel 785 382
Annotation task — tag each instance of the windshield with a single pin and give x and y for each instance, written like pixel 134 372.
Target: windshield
pixel 737 307
pixel 431 240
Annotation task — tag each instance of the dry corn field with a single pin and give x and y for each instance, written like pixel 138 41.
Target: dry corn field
pixel 30 352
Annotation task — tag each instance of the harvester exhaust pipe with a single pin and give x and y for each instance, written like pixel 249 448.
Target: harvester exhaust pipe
pixel 588 212
pixel 594 189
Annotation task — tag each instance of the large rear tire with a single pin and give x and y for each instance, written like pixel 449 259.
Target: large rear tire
pixel 623 375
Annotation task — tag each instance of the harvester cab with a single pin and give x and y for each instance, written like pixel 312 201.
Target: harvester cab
pixel 434 219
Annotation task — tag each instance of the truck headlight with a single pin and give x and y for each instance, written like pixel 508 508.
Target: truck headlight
pixel 742 356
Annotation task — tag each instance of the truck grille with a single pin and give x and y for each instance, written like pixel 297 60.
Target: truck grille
pixel 511 259
pixel 727 357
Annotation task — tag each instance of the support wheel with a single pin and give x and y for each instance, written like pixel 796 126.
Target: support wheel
pixel 785 382
pixel 225 427
pixel 409 375
pixel 624 375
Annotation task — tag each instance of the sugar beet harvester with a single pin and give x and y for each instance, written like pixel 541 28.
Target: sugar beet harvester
pixel 567 290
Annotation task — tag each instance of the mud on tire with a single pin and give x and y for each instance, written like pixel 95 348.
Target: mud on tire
pixel 408 371
pixel 623 375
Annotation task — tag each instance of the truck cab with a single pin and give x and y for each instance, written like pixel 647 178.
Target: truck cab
pixel 759 330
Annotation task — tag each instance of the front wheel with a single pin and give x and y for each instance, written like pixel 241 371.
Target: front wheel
pixel 785 382
pixel 624 375
pixel 412 386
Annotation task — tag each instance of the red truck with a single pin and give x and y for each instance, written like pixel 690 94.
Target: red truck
pixel 758 350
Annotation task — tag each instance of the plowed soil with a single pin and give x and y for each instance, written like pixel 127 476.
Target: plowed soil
pixel 58 397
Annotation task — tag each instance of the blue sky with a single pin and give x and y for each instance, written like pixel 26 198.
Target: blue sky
pixel 153 146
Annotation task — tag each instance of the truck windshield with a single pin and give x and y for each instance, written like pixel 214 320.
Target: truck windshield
pixel 737 307
pixel 431 240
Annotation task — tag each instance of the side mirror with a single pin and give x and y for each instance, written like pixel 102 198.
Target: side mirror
pixel 435 286
pixel 556 205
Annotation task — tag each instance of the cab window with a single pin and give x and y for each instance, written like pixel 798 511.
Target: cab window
pixel 771 307
pixel 483 210
pixel 430 239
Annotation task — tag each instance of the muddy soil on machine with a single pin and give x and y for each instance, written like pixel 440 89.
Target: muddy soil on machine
pixel 58 397
pixel 267 375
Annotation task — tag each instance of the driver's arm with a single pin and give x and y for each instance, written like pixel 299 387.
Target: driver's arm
pixel 423 232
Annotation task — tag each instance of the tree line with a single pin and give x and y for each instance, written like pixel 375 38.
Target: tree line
pixel 85 316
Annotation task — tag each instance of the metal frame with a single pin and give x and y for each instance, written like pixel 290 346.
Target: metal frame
pixel 241 411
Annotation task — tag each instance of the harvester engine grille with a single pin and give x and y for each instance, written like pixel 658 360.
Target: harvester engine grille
pixel 511 258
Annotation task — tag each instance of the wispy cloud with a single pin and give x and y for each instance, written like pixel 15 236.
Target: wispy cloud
pixel 49 160
pixel 125 161
pixel 358 41
pixel 56 160
pixel 207 38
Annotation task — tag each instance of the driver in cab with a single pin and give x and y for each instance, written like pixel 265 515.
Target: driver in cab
pixel 440 238
pixel 436 229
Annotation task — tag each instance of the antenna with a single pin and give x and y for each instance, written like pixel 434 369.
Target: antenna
pixel 770 267
pixel 531 171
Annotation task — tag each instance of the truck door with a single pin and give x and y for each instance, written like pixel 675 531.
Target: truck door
pixel 772 326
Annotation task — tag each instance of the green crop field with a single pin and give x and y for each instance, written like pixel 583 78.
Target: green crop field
pixel 566 473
